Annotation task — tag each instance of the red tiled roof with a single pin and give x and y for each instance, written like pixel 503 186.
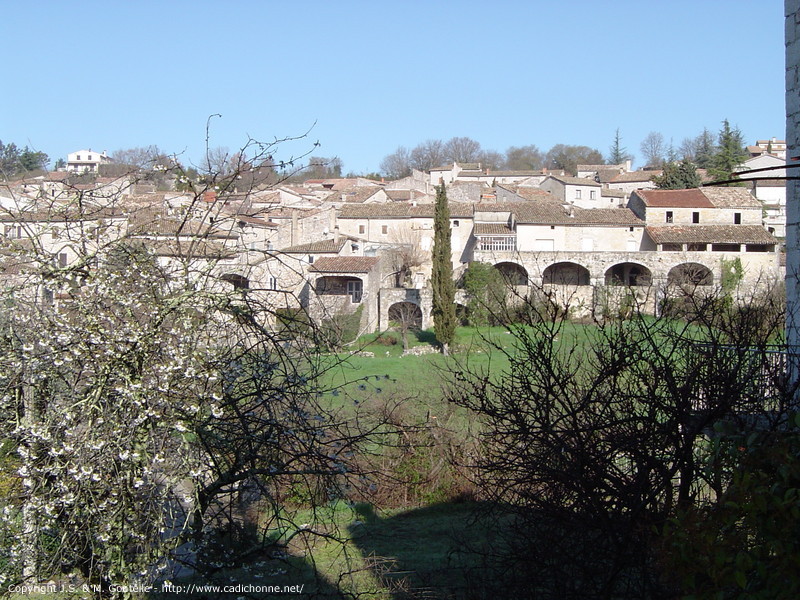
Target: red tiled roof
pixel 344 264
pixel 693 198
pixel 710 234
pixel 321 246
pixel 492 229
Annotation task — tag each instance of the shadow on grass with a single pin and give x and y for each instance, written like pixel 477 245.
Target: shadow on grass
pixel 426 337
pixel 431 552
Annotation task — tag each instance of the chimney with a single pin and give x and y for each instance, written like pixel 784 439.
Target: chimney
pixel 336 235
pixel 544 170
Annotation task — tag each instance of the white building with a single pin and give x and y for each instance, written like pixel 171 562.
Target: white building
pixel 86 161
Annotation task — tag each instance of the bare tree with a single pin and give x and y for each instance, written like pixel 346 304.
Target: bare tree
pixel 397 164
pixel 405 316
pixel 462 150
pixel 524 158
pixel 593 448
pixel 654 149
pixel 428 155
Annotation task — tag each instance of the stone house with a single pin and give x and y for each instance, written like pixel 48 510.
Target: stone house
pixel 580 191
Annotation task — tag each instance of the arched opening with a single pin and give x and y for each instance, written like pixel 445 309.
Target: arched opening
pixel 239 282
pixel 405 315
pixel 512 273
pixel 629 274
pixel 566 273
pixel 690 274
pixel 462 314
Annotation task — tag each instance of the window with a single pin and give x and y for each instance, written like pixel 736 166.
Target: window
pixel 630 228
pixel 577 194
pixel 55 233
pixel 354 290
pixel 89 157
pixel 456 223
pixel 592 195
pixel 311 259
pixel 384 229
pixel 361 229
pixel 737 218
pixel 669 216
pixel 695 217
pixel 62 259
pixel 272 283
pixel 78 157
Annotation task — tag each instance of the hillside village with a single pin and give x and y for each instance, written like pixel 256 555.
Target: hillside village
pixel 332 246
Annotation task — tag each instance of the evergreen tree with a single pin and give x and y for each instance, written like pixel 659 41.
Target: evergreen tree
pixel 730 152
pixel 444 291
pixel 678 176
pixel 617 154
pixel 704 149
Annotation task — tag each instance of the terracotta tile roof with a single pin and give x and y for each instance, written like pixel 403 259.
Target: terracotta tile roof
pixel 710 234
pixel 554 213
pixel 607 216
pixel 532 193
pixel 353 194
pixel 730 197
pixel 156 221
pixel 632 176
pixel 575 180
pixel 492 229
pixel 611 193
pixel 693 198
pixel 189 249
pixel 512 173
pixel 319 247
pixel 344 264
pixel 401 210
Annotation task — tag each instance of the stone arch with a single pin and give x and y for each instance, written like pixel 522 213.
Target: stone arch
pixel 408 314
pixel 628 274
pixel 690 274
pixel 513 273
pixel 239 282
pixel 566 273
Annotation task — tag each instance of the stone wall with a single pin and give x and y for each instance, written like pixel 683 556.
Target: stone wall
pixel 792 12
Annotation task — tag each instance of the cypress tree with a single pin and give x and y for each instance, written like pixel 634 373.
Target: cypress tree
pixel 730 152
pixel 444 291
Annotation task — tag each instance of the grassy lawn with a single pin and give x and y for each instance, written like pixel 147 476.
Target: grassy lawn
pixel 374 555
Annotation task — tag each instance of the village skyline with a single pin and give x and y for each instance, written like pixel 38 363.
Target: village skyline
pixel 364 79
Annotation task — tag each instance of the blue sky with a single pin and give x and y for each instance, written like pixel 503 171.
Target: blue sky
pixel 371 76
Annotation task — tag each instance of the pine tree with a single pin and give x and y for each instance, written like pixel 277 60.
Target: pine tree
pixel 704 149
pixel 730 152
pixel 617 153
pixel 444 292
pixel 678 176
